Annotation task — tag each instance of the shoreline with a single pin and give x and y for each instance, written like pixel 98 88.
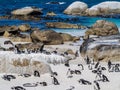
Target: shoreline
pixel 61 69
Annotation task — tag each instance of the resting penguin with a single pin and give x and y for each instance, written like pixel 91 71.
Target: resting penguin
pixel 109 64
pixel 18 88
pixel 8 77
pixel 85 82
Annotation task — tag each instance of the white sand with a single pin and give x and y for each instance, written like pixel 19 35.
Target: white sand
pixel 65 82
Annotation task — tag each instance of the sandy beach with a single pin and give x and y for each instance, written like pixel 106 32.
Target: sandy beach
pixel 65 82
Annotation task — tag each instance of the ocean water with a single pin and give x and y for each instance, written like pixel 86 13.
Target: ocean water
pixel 6 6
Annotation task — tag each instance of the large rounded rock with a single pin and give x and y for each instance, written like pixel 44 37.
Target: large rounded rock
pixel 21 38
pixel 22 63
pixel 104 8
pixel 26 17
pixel 75 38
pixel 8 29
pixel 6 34
pixel 103 48
pixel 27 11
pixel 70 51
pixel 102 28
pixel 66 37
pixel 47 37
pixel 24 27
pixel 76 8
pixel 63 25
pixel 50 14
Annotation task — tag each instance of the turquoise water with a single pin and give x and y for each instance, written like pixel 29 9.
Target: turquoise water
pixel 74 32
pixel 7 6
pixel 89 21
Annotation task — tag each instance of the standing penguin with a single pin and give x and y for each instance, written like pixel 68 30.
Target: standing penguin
pixel 36 74
pixel 69 73
pixel 81 66
pixel 77 53
pixel 55 81
pixel 109 64
pixel 97 64
pixel 117 67
pixel 90 66
pixel 67 63
pixel 96 85
pixel 41 49
pixel 104 78
pixel 87 60
pixel 17 50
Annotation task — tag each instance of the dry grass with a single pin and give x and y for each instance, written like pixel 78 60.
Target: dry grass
pixel 35 63
pixel 22 63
